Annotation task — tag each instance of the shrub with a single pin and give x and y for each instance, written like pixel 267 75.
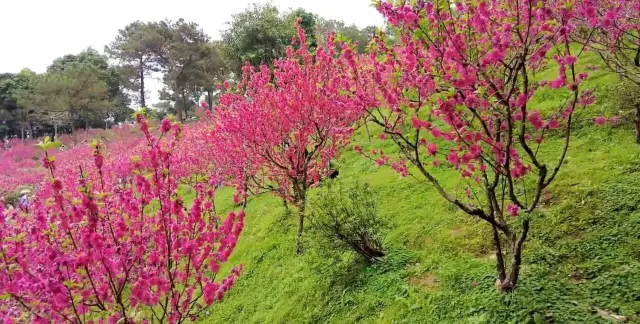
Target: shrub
pixel 623 97
pixel 345 218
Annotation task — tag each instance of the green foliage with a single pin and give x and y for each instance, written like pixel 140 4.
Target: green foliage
pixel 14 116
pixel 187 50
pixel 260 34
pixel 348 33
pixel 77 89
pixel 345 219
pixel 308 22
pixel 106 73
pixel 47 144
pixel 137 48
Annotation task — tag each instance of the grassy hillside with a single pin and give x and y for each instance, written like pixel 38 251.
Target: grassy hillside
pixel 582 260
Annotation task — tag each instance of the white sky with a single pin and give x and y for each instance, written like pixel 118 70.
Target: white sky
pixel 35 32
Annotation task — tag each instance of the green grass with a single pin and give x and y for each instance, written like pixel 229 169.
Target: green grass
pixel 583 252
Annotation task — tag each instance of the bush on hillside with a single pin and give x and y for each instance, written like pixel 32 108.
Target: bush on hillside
pixel 622 98
pixel 345 218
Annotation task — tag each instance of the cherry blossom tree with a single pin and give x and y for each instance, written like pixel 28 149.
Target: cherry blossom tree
pixel 612 29
pixel 290 121
pixel 454 93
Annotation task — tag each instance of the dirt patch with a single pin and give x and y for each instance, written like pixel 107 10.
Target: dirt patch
pixel 427 281
pixel 456 232
pixel 488 256
pixel 428 242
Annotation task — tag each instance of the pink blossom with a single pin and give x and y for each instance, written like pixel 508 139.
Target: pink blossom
pixel 570 59
pixel 536 121
pixel 432 149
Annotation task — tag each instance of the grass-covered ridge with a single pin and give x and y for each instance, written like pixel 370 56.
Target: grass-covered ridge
pixel 583 253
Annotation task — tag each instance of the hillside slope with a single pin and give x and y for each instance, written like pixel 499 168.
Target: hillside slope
pixel 581 263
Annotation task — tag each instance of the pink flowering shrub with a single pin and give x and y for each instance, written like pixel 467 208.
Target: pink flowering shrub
pixel 289 122
pixel 95 247
pixel 19 166
pixel 455 92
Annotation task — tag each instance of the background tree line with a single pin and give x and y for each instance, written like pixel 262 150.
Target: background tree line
pixel 92 90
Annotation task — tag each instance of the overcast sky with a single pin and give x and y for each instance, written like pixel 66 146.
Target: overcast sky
pixel 35 32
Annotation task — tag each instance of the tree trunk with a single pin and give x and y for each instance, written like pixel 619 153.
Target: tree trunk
pixel 286 206
pixel 301 210
pixel 638 123
pixel 30 127
pixel 370 250
pixel 499 258
pixel 184 105
pixel 55 131
pixel 176 95
pixel 245 194
pixel 143 104
pixel 508 284
pixel 619 72
pixel 73 129
pixel 22 133
pixel 210 99
pixel 86 124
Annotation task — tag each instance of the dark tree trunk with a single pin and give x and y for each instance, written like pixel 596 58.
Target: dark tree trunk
pixel 372 254
pixel 184 105
pixel 73 131
pixel 246 193
pixel 285 205
pixel 638 123
pixel 301 211
pixel 143 103
pixel 509 283
pixel 499 259
pixel 177 105
pixel 31 134
pixel 73 118
pixel 210 99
